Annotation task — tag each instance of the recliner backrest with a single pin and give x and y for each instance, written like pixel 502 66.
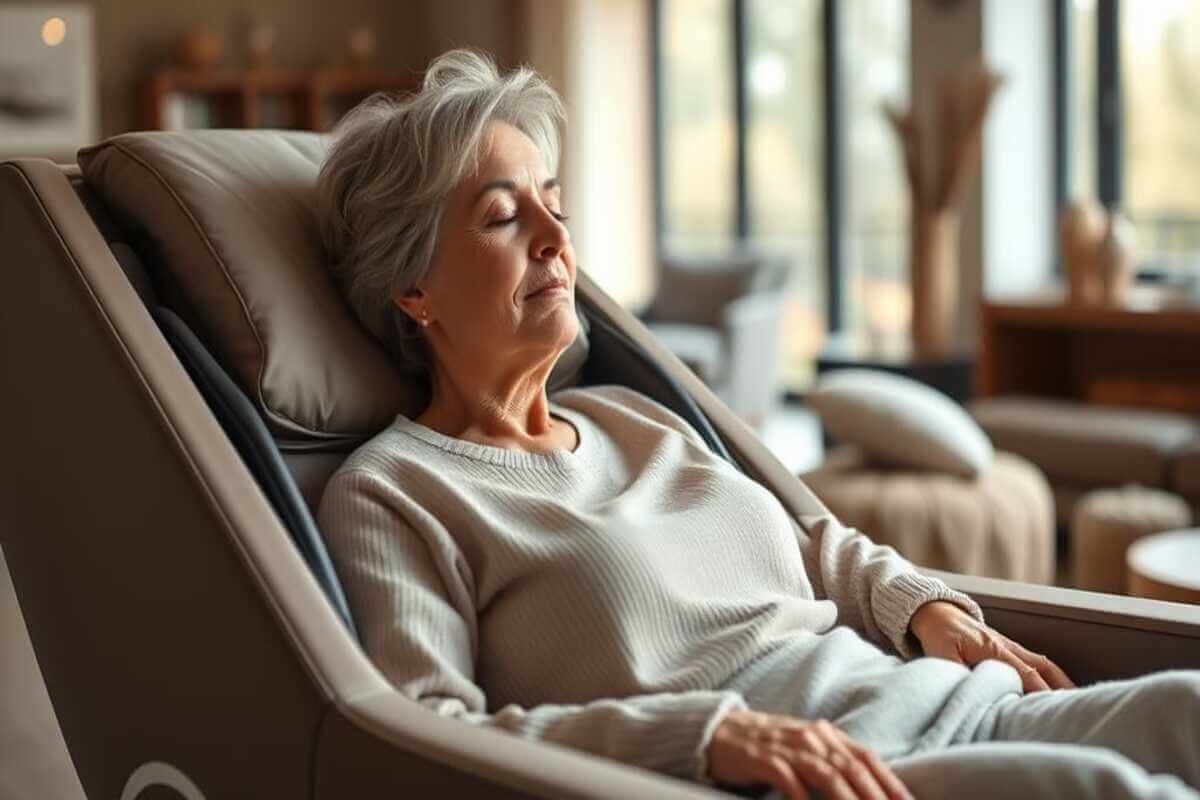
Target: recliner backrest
pixel 248 302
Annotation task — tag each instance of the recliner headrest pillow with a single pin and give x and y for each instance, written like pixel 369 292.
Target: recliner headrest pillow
pixel 232 218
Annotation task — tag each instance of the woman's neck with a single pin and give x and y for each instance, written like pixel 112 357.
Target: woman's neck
pixel 506 411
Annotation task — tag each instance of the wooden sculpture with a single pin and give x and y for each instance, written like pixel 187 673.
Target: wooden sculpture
pixel 936 189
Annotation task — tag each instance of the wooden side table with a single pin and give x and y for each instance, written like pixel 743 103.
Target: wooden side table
pixel 1166 566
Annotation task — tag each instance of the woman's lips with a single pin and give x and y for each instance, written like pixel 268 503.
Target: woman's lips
pixel 550 290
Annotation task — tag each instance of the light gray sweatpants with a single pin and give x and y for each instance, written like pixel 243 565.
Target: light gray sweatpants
pixel 950 731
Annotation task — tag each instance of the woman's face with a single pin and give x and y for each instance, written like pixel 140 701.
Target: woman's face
pixel 501 289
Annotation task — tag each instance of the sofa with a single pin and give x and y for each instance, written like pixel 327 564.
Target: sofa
pixel 169 434
pixel 1085 447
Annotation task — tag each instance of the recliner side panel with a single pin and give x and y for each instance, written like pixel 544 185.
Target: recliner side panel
pixel 105 515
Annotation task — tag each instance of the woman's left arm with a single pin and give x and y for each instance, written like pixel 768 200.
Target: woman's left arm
pixel 880 593
pixel 875 589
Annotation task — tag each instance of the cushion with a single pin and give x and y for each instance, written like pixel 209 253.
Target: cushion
pixel 231 218
pixel 697 291
pixel 900 421
pixel 1087 445
pixel 999 525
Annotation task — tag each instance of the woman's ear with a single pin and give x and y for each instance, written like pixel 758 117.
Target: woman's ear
pixel 414 303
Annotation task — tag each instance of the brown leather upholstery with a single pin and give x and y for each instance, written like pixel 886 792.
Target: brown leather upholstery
pixel 1087 447
pixel 231 216
pixel 33 758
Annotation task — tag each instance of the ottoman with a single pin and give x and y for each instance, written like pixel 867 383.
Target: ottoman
pixel 999 525
pixel 1107 521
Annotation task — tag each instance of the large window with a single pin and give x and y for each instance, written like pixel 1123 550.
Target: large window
pixel 1134 109
pixel 874 50
pixel 772 138
pixel 784 131
pixel 697 113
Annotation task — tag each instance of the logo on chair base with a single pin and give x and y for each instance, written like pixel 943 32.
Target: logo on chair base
pixel 159 774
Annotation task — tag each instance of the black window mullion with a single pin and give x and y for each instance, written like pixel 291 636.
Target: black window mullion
pixel 831 52
pixel 1061 53
pixel 1108 102
pixel 656 71
pixel 741 115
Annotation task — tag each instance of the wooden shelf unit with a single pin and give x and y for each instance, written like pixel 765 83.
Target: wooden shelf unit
pixel 259 98
pixel 1143 353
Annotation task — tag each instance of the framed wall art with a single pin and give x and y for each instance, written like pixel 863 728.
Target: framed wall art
pixel 47 79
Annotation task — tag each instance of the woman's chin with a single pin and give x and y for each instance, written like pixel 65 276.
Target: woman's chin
pixel 557 327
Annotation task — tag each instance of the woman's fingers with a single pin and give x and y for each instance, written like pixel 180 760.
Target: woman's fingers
pixel 1030 679
pixel 1050 672
pixel 777 772
pixel 856 773
pixel 883 773
pixel 799 758
pixel 819 774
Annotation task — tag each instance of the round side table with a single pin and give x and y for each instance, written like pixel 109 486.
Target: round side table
pixel 1166 566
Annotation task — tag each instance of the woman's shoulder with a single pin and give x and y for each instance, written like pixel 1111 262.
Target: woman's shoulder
pixel 386 455
pixel 616 404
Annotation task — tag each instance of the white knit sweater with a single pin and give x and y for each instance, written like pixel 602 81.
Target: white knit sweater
pixel 599 598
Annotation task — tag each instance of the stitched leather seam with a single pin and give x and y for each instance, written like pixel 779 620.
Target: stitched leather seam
pixel 232 286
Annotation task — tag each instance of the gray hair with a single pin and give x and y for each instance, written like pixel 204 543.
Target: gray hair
pixel 394 160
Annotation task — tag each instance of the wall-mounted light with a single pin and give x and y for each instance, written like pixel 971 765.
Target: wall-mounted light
pixel 54 30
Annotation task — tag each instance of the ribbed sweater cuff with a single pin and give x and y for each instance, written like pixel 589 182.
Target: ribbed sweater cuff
pixel 728 701
pixel 900 598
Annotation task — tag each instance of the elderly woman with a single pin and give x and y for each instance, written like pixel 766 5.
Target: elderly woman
pixel 581 569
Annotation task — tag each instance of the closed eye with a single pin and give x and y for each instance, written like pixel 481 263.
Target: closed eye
pixel 497 223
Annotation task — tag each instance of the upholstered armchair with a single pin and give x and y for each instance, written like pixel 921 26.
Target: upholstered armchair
pixel 721 317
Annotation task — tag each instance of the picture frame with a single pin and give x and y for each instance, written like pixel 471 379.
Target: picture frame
pixel 47 79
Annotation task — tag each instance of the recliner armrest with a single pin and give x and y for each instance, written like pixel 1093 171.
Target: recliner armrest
pixel 1092 636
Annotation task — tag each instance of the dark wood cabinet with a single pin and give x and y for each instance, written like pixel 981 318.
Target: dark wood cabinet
pixel 1144 352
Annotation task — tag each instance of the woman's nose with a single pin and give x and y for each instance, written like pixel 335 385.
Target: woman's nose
pixel 551 239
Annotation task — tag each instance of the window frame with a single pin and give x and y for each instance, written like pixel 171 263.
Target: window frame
pixel 832 173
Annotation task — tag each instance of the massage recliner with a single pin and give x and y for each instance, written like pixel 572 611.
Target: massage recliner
pixel 180 379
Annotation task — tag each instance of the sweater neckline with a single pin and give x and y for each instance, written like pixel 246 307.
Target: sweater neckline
pixel 502 456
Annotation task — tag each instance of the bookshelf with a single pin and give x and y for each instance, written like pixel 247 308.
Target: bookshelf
pixel 176 99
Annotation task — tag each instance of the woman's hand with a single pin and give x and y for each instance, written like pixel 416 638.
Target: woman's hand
pixel 793 755
pixel 946 631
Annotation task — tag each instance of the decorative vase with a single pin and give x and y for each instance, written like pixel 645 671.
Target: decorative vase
pixel 1081 232
pixel 934 276
pixel 198 48
pixel 1114 261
